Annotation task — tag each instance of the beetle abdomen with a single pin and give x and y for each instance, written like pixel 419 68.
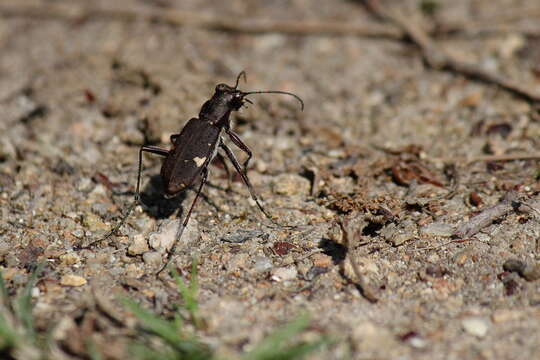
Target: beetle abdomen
pixel 192 150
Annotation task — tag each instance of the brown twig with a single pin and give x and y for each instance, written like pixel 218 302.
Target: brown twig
pixel 455 241
pixel 488 158
pixel 175 17
pixel 362 285
pixel 508 204
pixel 189 18
pixel 499 22
pixel 437 59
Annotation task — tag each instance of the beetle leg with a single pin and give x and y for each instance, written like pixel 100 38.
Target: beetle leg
pixel 238 168
pixel 180 230
pixel 238 142
pixel 150 149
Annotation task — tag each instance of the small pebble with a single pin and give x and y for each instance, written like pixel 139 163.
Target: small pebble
pixel 282 248
pixel 70 259
pixel 84 185
pixel 315 271
pixel 504 315
pixel 262 264
pixel 4 248
pixel 400 238
pixel 397 235
pixel 152 258
pixel 436 271
pixel 94 223
pixel 130 134
pixel 72 280
pixel 531 272
pixel 284 273
pixel 514 265
pixel 163 240
pixel 291 184
pixel 475 199
pixel 78 233
pixel 475 326
pixel 369 337
pixel 237 262
pixel 321 260
pixel 138 245
pixel 241 236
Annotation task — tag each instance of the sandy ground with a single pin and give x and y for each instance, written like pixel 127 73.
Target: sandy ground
pixel 392 149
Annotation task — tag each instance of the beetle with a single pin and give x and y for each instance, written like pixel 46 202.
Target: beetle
pixel 197 145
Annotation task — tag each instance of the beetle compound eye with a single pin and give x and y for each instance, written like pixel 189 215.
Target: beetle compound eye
pixel 221 88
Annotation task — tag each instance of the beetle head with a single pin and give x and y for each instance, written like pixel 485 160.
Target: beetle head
pixel 227 98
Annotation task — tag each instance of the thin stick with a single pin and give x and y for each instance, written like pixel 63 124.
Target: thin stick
pixel 489 158
pixel 496 23
pixel 188 18
pixel 442 245
pixel 439 60
pixel 487 217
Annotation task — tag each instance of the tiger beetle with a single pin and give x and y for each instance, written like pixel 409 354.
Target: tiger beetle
pixel 195 147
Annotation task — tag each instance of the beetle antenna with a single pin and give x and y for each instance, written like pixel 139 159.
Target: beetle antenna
pixel 242 73
pixel 277 92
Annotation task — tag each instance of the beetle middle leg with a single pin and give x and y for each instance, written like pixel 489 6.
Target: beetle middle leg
pixel 150 149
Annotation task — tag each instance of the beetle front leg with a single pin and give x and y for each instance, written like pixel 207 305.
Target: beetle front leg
pixel 245 178
pixel 238 142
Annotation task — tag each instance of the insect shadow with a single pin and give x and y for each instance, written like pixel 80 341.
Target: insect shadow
pixel 158 206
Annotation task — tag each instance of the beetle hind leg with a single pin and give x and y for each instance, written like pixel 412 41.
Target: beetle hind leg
pixel 182 227
pixel 153 150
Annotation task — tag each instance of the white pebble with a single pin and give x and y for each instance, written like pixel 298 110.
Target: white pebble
pixel 475 326
pixel 284 273
pixel 138 245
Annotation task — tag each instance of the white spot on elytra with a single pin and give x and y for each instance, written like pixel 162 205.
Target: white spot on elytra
pixel 199 161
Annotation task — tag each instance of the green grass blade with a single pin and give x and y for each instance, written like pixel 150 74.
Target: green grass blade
pixel 8 336
pixel 296 351
pixel 144 352
pixel 170 333
pixel 164 329
pixel 190 294
pixel 23 304
pixel 275 346
pixel 4 293
pixel 92 350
